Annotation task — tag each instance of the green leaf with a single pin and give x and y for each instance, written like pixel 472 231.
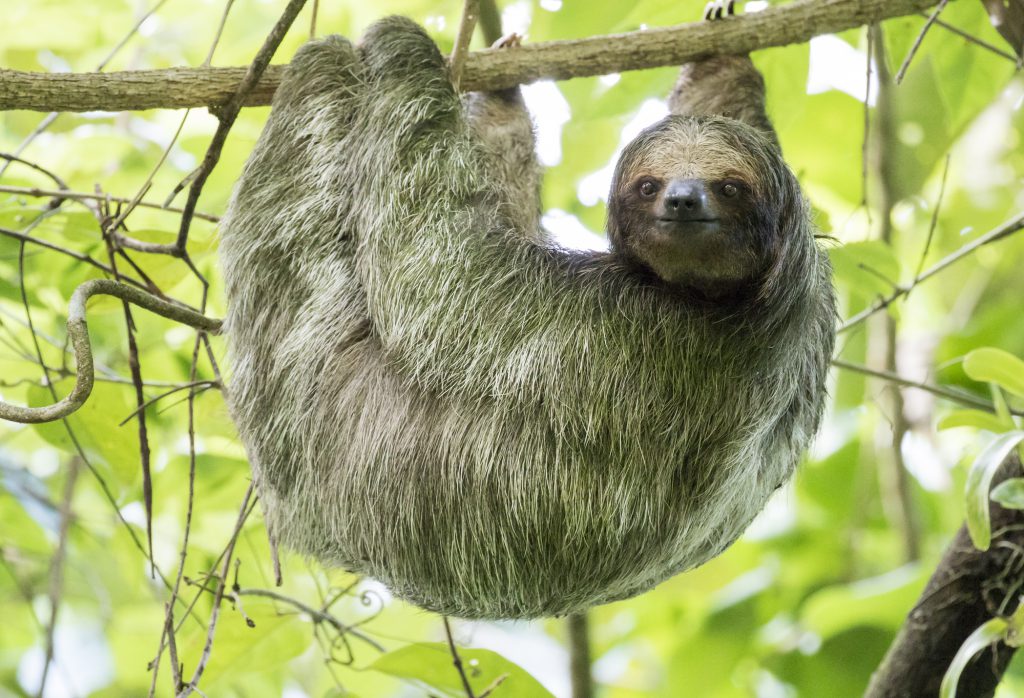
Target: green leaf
pixel 877 601
pixel 79 226
pixel 1010 493
pixel 991 632
pixel 971 418
pixel 979 482
pixel 991 365
pixel 1002 409
pixel 868 269
pixel 430 664
pixel 240 648
pixel 95 426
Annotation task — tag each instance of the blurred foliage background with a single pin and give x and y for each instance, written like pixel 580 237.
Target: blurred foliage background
pixel 805 604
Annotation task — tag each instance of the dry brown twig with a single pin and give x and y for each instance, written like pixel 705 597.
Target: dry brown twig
pixel 218 596
pixel 470 15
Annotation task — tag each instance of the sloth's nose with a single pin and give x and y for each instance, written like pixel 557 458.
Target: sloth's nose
pixel 687 200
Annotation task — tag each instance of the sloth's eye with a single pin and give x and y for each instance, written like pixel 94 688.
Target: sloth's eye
pixel 730 189
pixel 648 188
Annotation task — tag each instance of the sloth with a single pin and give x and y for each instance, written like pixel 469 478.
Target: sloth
pixel 434 394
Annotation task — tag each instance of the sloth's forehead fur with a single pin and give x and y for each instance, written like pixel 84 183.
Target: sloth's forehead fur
pixel 711 149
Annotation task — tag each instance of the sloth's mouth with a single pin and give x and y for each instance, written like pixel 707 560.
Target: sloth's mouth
pixel 681 222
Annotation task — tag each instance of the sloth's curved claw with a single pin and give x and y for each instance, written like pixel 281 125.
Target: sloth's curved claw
pixel 717 9
pixel 510 40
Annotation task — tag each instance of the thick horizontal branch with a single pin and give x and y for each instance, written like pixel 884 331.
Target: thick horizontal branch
pixel 178 88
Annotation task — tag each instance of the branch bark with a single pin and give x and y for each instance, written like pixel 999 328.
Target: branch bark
pixel 969 587
pixel 579 655
pixel 179 88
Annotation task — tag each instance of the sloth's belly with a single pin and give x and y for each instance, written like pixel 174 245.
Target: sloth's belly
pixel 475 513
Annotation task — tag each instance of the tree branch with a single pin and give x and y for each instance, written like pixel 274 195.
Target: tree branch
pixel 959 397
pixel 317 616
pixel 78 333
pixel 969 587
pixel 470 15
pixel 489 69
pixel 579 655
pixel 1003 231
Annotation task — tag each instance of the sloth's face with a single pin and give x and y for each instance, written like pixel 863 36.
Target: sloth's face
pixel 691 203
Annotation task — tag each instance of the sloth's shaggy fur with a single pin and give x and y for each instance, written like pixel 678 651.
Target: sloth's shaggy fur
pixel 433 396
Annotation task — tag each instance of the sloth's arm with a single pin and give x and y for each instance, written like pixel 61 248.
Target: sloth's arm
pixel 289 217
pixel 503 127
pixel 460 297
pixel 724 86
pixel 287 246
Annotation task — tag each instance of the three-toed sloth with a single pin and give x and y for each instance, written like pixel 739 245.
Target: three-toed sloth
pixel 434 394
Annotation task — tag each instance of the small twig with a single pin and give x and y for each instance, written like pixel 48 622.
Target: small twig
pixel 275 556
pixel 78 333
pixel 175 389
pixel 312 19
pixel 470 14
pixel 1007 18
pixel 934 221
pixel 61 184
pixel 65 251
pixel 965 399
pixel 490 26
pixel 866 143
pixel 456 659
pixel 135 369
pixel 877 274
pixel 131 32
pixel 218 596
pixel 220 32
pixel 1003 231
pixel 84 196
pixel 227 115
pixel 126 241
pixel 115 226
pixel 172 648
pixel 917 42
pixel 57 570
pixel 973 39
pixel 579 655
pixel 213 364
pixel 315 615
pixel 494 686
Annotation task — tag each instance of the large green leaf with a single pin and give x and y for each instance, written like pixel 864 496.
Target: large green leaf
pixel 430 664
pixel 991 365
pixel 979 482
pixel 880 601
pixel 274 636
pixel 989 633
